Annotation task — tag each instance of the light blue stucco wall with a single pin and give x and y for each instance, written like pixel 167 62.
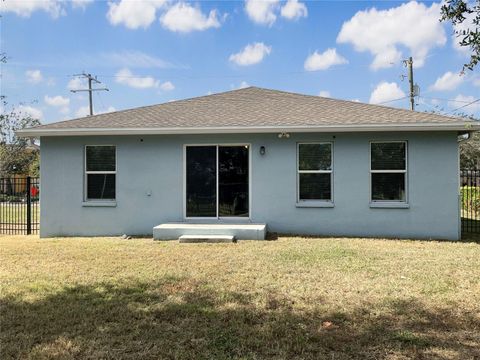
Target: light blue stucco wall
pixel 156 166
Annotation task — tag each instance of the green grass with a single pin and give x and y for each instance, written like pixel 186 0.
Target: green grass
pixel 293 298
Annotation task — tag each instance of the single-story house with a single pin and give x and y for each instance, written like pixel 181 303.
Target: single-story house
pixel 281 161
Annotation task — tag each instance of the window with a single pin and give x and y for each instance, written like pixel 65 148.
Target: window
pixel 100 172
pixel 315 171
pixel 388 171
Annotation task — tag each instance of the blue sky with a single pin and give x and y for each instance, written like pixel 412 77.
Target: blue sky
pixel 149 52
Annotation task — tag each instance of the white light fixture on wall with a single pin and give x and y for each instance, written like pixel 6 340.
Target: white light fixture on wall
pixel 283 135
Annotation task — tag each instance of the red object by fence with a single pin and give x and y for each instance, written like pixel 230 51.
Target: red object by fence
pixel 34 191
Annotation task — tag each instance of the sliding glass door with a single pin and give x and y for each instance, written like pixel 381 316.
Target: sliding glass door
pixel 201 181
pixel 217 181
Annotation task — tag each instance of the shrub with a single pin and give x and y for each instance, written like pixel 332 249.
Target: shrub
pixel 470 198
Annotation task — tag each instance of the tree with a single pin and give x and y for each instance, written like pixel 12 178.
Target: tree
pixel 457 12
pixel 16 154
pixel 470 153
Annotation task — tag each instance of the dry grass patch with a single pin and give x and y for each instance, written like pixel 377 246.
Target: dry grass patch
pixel 293 298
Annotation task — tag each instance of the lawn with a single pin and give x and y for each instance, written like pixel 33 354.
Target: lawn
pixel 293 298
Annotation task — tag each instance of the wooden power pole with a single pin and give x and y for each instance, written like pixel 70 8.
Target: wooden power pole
pixel 409 64
pixel 90 90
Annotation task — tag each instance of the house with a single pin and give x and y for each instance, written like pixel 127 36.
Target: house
pixel 253 157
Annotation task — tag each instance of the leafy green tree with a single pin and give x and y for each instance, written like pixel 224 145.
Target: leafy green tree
pixel 470 153
pixel 16 154
pixel 457 11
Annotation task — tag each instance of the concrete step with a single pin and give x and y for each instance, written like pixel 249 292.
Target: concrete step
pixel 246 231
pixel 213 239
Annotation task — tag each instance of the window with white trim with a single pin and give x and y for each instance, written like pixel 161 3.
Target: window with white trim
pixel 315 167
pixel 100 172
pixel 388 171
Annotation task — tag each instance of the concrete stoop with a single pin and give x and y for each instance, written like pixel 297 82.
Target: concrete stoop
pixel 216 232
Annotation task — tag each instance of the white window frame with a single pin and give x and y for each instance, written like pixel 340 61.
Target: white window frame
pixel 306 201
pixel 86 173
pixel 217 216
pixel 405 172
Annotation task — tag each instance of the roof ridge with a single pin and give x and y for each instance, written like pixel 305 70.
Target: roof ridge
pixel 146 106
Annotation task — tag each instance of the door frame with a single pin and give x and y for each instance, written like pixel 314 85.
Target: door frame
pixel 184 180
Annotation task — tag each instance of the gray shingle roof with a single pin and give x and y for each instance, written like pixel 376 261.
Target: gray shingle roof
pixel 253 108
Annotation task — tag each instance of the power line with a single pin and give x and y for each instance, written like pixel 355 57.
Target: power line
pixel 443 99
pixel 389 101
pixel 104 109
pixel 464 106
pixel 90 90
pixel 435 109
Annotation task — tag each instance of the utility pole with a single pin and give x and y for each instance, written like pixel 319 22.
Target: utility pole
pixel 90 90
pixel 409 64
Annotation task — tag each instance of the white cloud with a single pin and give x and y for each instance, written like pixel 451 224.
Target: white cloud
pixel 34 76
pixel 355 100
pixel 324 93
pixel 76 83
pixel 323 61
pixel 137 59
pixel 167 86
pixel 242 85
pixel 82 4
pixel 30 111
pixel 82 111
pixel 251 54
pixel 294 10
pixel 262 11
pixel 85 111
pixel 461 100
pixel 108 110
pixel 54 8
pixel 448 81
pixel 25 8
pixel 185 18
pixel 57 101
pixel 381 32
pixel 386 91
pixel 133 14
pixel 476 81
pixel 126 77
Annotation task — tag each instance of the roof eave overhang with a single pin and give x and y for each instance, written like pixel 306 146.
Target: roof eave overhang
pixel 245 130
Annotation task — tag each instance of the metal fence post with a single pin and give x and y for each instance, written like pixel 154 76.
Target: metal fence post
pixel 29 207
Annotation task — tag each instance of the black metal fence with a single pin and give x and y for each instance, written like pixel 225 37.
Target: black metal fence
pixel 470 200
pixel 19 205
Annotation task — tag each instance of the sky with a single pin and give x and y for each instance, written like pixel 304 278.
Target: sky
pixel 150 52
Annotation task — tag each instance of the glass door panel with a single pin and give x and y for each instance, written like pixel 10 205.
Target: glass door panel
pixel 201 181
pixel 233 197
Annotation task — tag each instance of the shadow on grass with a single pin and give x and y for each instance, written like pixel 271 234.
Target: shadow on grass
pixel 471 230
pixel 178 318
